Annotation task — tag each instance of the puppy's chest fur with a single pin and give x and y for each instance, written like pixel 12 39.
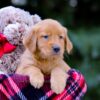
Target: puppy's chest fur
pixel 44 65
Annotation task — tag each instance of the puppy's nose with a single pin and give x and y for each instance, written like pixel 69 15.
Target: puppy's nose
pixel 56 49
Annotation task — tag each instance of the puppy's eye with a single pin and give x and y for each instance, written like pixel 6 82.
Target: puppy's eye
pixel 61 37
pixel 45 36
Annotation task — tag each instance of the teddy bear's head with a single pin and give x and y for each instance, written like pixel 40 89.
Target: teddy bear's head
pixel 15 24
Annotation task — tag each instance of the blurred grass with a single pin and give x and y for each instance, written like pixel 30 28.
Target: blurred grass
pixel 86 58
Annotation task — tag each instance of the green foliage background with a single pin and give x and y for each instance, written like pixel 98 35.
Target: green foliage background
pixel 82 18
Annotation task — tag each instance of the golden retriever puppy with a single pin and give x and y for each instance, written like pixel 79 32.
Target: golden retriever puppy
pixel 45 46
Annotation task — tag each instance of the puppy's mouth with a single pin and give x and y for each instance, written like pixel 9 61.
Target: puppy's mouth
pixel 51 54
pixel 56 53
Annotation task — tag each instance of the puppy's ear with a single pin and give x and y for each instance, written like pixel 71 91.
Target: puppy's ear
pixel 30 39
pixel 68 43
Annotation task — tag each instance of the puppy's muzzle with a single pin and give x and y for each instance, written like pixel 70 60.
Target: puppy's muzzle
pixel 56 48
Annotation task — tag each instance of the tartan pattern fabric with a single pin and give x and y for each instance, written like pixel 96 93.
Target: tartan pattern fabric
pixel 17 87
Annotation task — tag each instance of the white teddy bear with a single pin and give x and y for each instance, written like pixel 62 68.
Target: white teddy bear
pixel 14 24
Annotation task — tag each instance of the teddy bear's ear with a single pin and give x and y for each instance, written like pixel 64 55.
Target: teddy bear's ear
pixel 68 43
pixel 30 39
pixel 35 18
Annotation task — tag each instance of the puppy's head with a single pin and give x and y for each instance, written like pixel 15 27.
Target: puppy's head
pixel 49 38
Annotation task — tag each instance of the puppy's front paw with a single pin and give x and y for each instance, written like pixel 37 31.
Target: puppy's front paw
pixel 57 85
pixel 37 80
pixel 58 81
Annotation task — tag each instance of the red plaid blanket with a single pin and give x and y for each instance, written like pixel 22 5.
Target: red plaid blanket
pixel 17 87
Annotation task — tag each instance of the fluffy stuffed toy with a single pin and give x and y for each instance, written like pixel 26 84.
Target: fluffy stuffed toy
pixel 14 24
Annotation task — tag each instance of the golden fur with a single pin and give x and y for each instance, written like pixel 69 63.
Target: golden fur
pixel 39 57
